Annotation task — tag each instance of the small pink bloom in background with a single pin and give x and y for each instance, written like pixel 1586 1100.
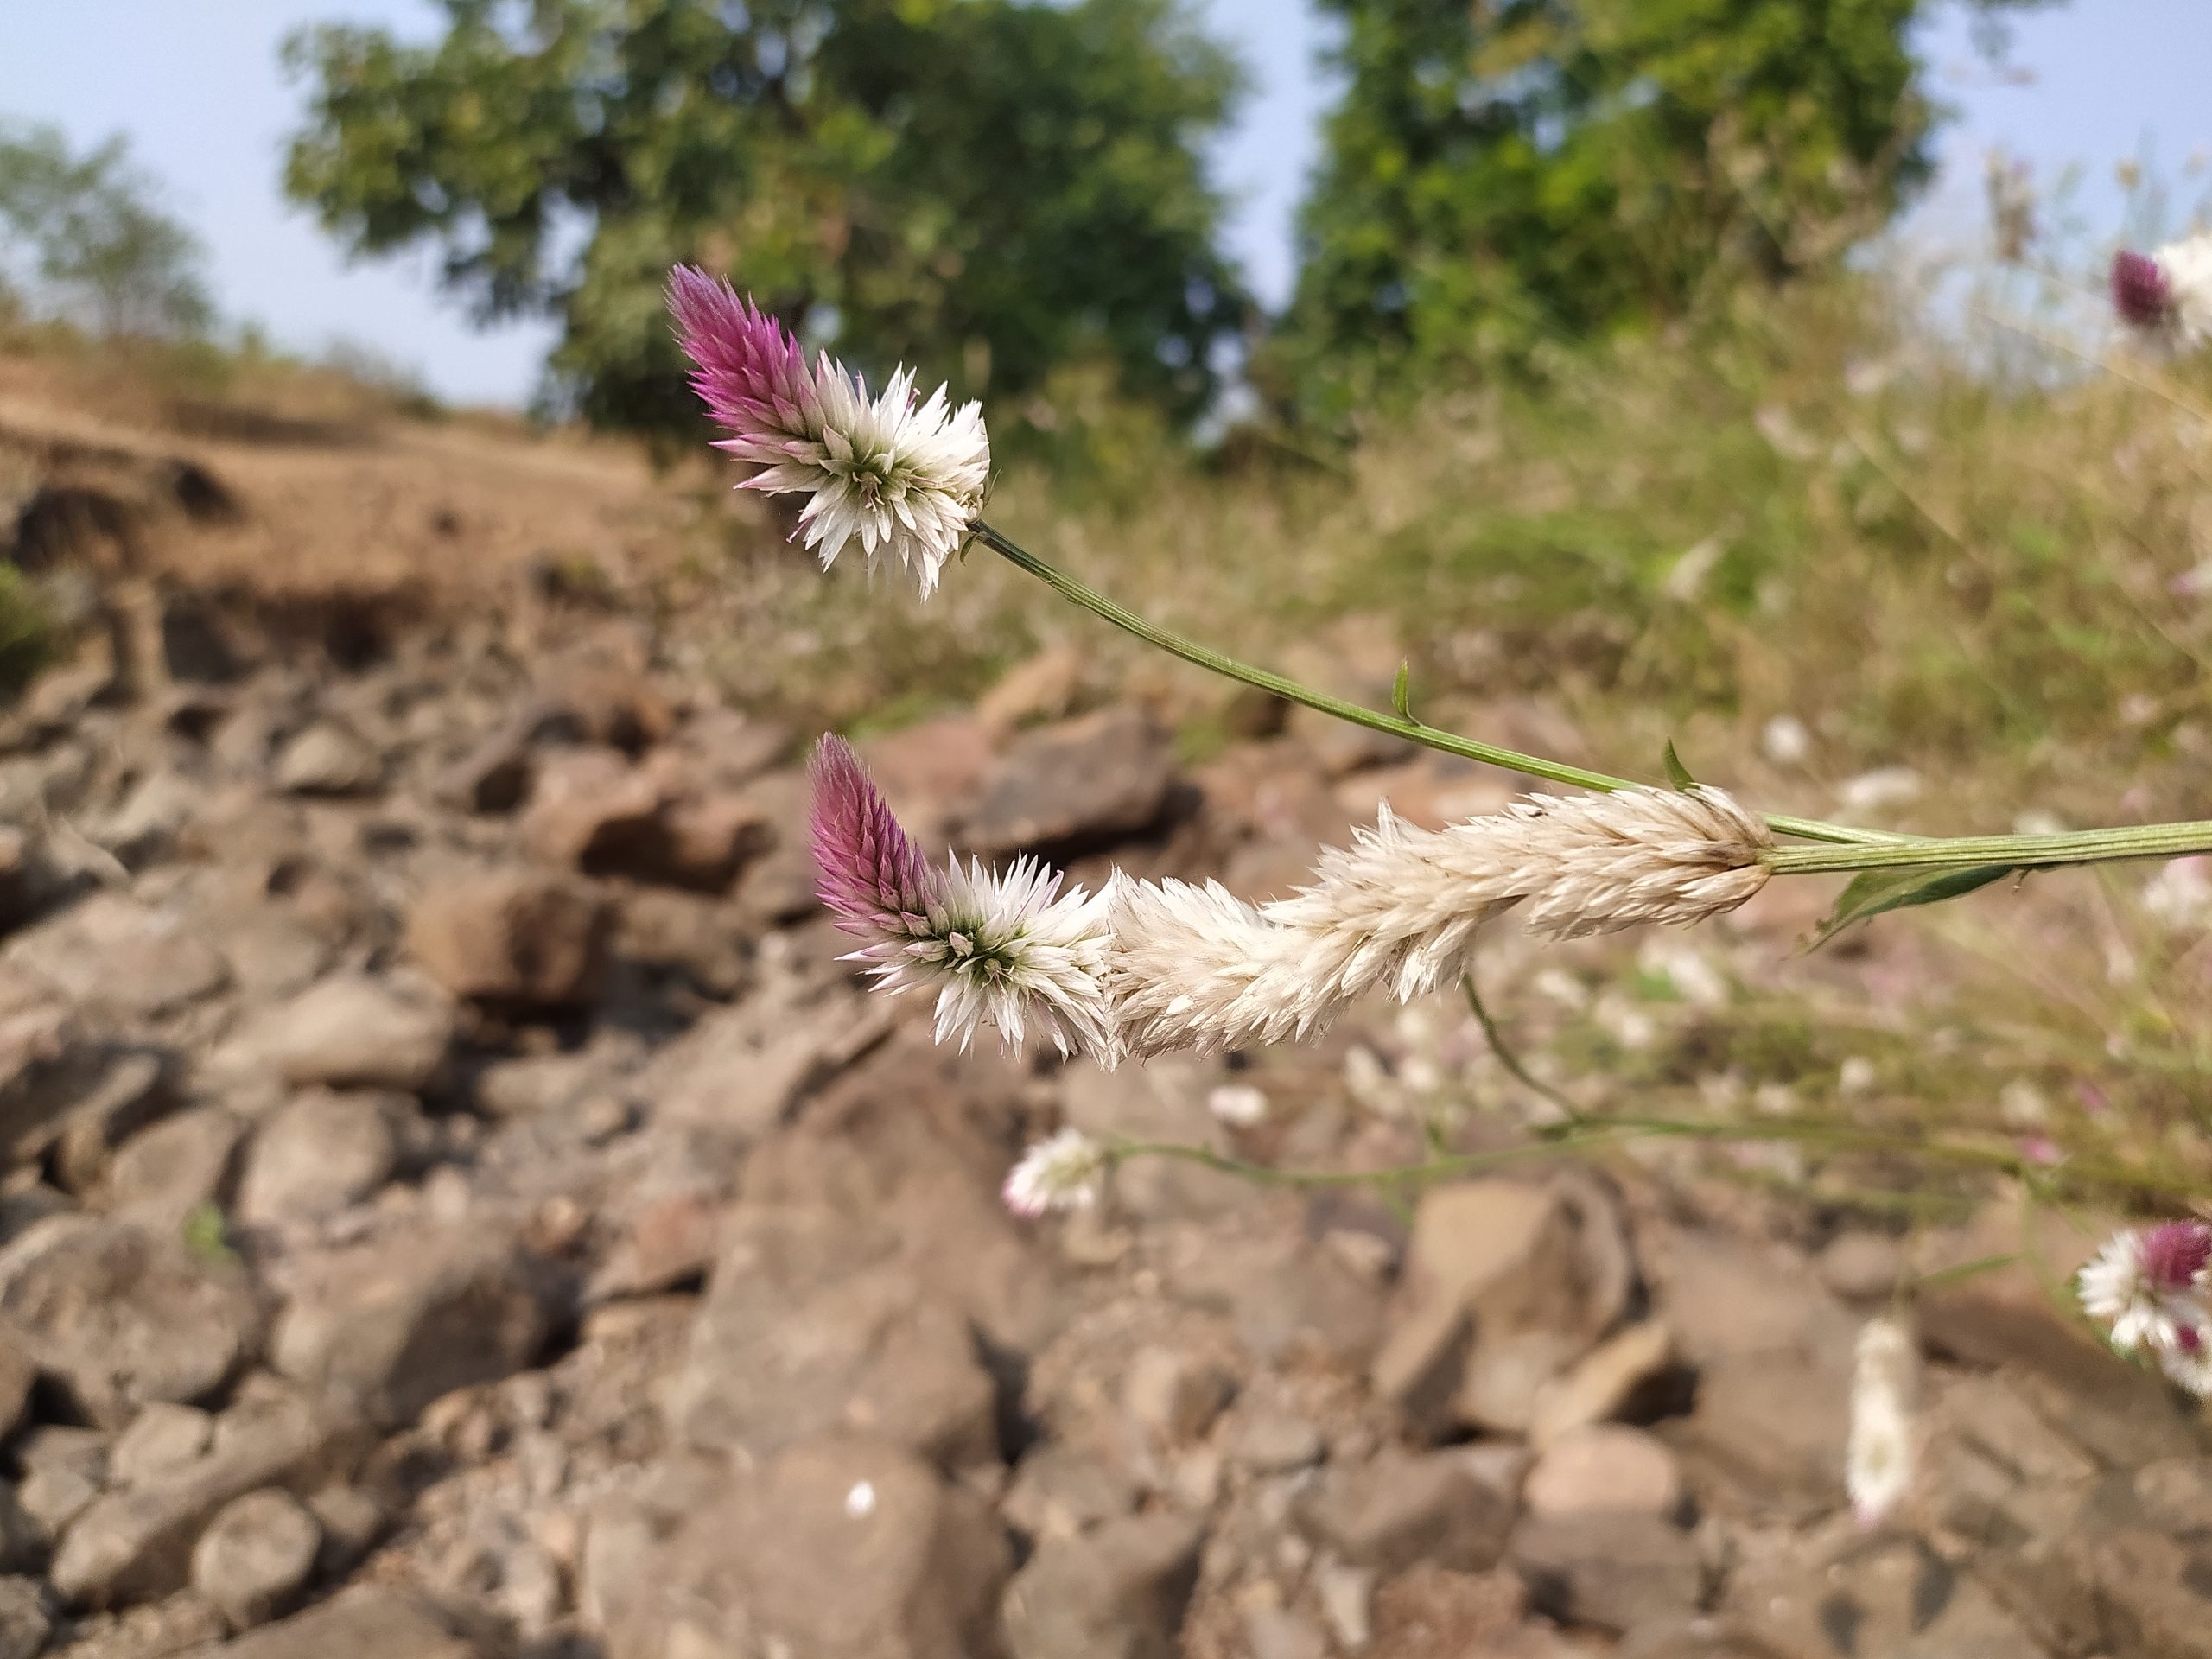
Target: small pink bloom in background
pixel 2041 1149
pixel 2141 292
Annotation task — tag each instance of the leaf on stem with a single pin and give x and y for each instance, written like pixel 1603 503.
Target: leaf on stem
pixel 1401 691
pixel 1677 773
pixel 1873 892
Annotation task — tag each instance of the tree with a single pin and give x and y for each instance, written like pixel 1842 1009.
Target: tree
pixel 1501 172
pixel 988 188
pixel 98 248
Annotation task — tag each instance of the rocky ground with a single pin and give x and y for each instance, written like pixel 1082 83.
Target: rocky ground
pixel 457 1205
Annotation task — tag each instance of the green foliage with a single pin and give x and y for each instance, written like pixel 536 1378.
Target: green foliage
pixel 1508 173
pixel 85 234
pixel 995 189
pixel 26 633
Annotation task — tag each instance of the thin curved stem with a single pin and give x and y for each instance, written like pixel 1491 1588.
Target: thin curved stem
pixel 1397 725
pixel 1511 1060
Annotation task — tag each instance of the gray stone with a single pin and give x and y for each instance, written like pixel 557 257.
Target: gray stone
pixel 25 1621
pixel 133 1091
pixel 1404 1507
pixel 801 1331
pixel 1604 1382
pixel 742 1068
pixel 1614 1571
pixel 1087 782
pixel 349 1031
pixel 135 1544
pixel 160 1439
pixel 514 938
pixel 18 1374
pixel 1172 1398
pixel 328 759
pixel 1059 1490
pixel 161 1175
pixel 842 1546
pixel 393 1325
pixel 1604 1467
pixel 63 1470
pixel 1270 1443
pixel 319 1153
pixel 122 1319
pixel 1840 1596
pixel 114 957
pixel 1117 1592
pixel 1862 1266
pixel 368 1623
pixel 255 1557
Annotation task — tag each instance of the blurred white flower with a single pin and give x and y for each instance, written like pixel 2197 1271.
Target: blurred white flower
pixel 1884 1393
pixel 1786 741
pixel 1066 1171
pixel 1240 1105
pixel 2147 1285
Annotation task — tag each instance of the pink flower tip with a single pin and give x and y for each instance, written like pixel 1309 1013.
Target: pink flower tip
pixel 743 359
pixel 869 867
pixel 2141 291
pixel 2174 1253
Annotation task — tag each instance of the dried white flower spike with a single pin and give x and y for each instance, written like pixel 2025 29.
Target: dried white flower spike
pixel 1885 1395
pixel 1194 967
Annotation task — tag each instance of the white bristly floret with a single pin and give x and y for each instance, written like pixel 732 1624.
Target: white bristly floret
pixel 1884 1393
pixel 1008 949
pixel 903 478
pixel 1195 967
pixel 1066 1171
pixel 2116 1290
pixel 2188 268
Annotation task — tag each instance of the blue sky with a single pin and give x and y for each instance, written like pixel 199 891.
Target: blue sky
pixel 196 85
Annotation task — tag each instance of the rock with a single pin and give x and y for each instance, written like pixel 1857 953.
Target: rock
pixel 25 1623
pixel 328 759
pixel 1489 1263
pixel 742 1068
pixel 1616 1570
pixel 63 1470
pixel 1085 783
pixel 320 1152
pixel 1039 687
pixel 255 1557
pixel 391 1327
pixel 593 811
pixel 136 1543
pixel 120 1317
pixel 1433 1612
pixel 1842 1595
pixel 934 772
pixel 113 958
pixel 1118 1593
pixel 1766 1438
pixel 1604 1467
pixel 1605 1382
pixel 30 882
pixel 703 943
pixel 711 835
pixel 368 1623
pixel 843 1547
pixel 1277 1633
pixel 1174 1398
pixel 160 1439
pixel 161 1175
pixel 349 1031
pixel 493 777
pixel 800 1332
pixel 136 1089
pixel 1061 1490
pixel 46 1062
pixel 17 1373
pixel 22 1540
pixel 1270 1444
pixel 1403 1507
pixel 511 938
pixel 1862 1266
pixel 1504 1377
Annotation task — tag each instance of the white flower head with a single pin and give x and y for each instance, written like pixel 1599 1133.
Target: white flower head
pixel 2146 1284
pixel 1066 1171
pixel 1005 949
pixel 905 477
pixel 2166 295
pixel 1884 1393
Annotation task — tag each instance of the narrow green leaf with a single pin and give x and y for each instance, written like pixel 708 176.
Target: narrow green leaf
pixel 1873 892
pixel 1401 692
pixel 1677 773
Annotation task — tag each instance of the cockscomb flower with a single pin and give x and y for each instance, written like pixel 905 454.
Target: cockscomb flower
pixel 2167 293
pixel 1066 1171
pixel 1884 1395
pixel 906 477
pixel 2146 1284
pixel 1400 909
pixel 1005 949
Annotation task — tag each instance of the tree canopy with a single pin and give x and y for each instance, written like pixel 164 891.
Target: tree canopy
pixel 86 236
pixel 1502 172
pixel 989 189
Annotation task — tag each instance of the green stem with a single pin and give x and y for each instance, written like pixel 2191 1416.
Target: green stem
pixel 1397 725
pixel 1510 1060
pixel 2023 852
